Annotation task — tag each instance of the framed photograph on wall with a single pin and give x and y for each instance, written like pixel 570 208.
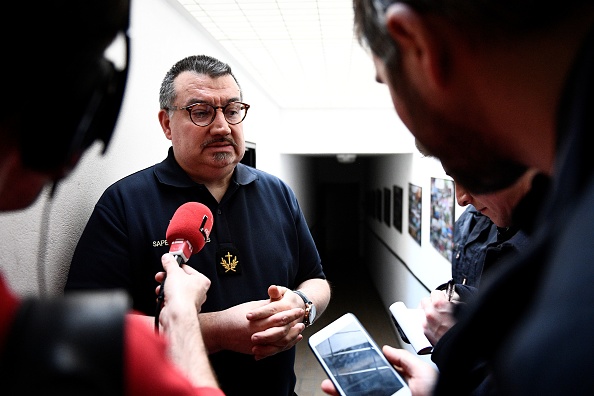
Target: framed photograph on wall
pixel 441 231
pixel 397 208
pixel 415 199
pixel 387 204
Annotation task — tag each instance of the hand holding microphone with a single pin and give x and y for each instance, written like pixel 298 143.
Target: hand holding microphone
pixel 187 233
pixel 186 292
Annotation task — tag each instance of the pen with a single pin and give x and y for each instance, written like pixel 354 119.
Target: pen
pixel 450 289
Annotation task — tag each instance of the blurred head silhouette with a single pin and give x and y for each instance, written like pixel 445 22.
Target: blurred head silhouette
pixel 60 92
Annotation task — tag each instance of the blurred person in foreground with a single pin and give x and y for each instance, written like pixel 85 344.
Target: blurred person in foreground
pixel 513 83
pixel 267 277
pixel 87 343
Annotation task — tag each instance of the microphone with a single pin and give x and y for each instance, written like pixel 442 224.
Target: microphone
pixel 189 230
pixel 187 233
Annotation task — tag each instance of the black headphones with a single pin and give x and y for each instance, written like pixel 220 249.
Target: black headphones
pixel 97 89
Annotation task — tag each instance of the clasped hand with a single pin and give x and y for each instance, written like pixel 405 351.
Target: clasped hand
pixel 277 323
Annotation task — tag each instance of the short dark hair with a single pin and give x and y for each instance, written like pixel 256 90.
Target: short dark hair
pixel 200 64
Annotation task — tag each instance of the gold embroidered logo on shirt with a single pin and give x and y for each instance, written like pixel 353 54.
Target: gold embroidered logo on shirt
pixel 228 263
pixel 228 260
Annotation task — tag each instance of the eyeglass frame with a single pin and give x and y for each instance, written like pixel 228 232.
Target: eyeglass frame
pixel 188 108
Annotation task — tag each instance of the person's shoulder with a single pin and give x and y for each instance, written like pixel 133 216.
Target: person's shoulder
pixel 130 185
pixel 243 168
pixel 267 183
pixel 248 172
pixel 134 176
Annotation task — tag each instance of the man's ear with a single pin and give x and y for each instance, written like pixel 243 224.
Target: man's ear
pixel 164 121
pixel 420 44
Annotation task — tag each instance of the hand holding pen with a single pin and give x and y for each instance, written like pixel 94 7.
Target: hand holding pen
pixel 450 289
pixel 438 308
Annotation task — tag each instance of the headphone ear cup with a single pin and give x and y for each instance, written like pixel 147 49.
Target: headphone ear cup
pixel 91 115
pixel 104 123
pixel 102 111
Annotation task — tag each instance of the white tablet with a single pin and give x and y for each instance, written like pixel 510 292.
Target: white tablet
pixel 354 362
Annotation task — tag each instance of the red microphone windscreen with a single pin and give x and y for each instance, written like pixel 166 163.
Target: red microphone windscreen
pixel 191 222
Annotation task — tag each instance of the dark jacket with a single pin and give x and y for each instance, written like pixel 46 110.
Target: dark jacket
pixel 536 310
pixel 479 244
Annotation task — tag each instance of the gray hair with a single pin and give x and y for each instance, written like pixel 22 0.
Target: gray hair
pixel 200 64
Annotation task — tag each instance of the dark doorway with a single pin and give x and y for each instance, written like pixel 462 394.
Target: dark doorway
pixel 338 228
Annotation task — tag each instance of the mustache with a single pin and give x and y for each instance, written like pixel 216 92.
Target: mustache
pixel 223 139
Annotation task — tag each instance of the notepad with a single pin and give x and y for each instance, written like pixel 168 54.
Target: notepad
pixel 409 323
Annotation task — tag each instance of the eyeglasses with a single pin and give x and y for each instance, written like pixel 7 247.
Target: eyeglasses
pixel 203 114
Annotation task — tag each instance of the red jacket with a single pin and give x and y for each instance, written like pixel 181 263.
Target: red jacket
pixel 148 370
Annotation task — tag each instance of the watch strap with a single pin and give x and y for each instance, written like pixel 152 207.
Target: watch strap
pixel 308 305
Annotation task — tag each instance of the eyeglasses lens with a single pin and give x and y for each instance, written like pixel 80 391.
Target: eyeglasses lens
pixel 203 114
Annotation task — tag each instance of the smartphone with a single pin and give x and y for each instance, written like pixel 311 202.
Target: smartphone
pixel 354 362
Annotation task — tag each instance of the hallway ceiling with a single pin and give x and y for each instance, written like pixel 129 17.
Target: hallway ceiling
pixel 302 52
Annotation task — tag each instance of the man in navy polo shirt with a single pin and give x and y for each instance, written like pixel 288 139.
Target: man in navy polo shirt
pixel 260 249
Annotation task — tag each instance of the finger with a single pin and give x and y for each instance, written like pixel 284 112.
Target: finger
pixel 438 295
pixel 189 270
pixel 262 351
pixel 159 276
pixel 265 311
pixel 168 262
pixel 402 359
pixel 278 335
pixel 455 298
pixel 275 293
pixel 425 303
pixel 287 317
pixel 277 313
pixel 420 376
pixel 328 387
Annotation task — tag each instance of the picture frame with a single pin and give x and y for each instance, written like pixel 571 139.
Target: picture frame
pixel 415 211
pixel 441 230
pixel 397 208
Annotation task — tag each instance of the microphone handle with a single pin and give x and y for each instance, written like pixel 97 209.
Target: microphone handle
pixel 161 296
